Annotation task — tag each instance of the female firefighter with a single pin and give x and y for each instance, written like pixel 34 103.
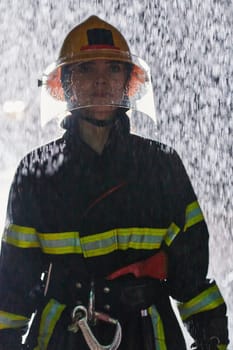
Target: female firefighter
pixel 103 226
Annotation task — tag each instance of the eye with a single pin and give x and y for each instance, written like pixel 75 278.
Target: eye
pixel 82 68
pixel 115 67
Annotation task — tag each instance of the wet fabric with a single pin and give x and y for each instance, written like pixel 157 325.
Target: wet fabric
pixel 88 215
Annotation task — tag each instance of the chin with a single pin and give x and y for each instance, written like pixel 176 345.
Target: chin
pixel 101 112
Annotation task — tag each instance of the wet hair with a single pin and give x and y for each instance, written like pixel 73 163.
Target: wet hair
pixel 66 81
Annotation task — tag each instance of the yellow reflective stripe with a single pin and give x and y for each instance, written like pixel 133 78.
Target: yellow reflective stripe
pixel 122 239
pixel 21 236
pixel 222 347
pixel 193 215
pixel 160 342
pixel 49 318
pixel 92 245
pixel 9 320
pixel 172 232
pixel 207 300
pixel 60 243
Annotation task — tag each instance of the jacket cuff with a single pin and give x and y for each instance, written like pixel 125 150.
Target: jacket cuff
pixel 209 327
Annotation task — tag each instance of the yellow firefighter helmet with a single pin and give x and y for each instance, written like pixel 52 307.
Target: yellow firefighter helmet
pixel 96 39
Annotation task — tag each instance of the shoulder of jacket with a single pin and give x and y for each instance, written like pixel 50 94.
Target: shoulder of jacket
pixel 44 159
pixel 152 145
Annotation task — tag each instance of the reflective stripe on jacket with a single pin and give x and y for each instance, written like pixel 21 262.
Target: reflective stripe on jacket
pixel 62 209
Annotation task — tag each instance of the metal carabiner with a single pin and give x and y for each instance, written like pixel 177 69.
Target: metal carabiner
pixel 80 313
pixel 91 305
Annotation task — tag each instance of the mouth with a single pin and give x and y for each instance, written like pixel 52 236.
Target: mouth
pixel 100 94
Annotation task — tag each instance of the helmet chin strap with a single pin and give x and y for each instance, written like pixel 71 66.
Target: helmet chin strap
pixel 97 122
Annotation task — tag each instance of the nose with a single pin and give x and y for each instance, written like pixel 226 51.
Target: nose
pixel 100 79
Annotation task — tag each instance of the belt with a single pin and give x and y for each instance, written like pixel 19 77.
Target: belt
pixel 126 298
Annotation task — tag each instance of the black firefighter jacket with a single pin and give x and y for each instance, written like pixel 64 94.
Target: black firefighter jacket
pixel 87 215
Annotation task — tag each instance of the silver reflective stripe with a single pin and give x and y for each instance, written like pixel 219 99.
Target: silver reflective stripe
pixel 49 318
pixel 9 320
pixel 193 215
pixel 172 232
pixel 60 243
pixel 21 236
pixel 122 239
pixel 98 244
pixel 207 300
pixel 160 342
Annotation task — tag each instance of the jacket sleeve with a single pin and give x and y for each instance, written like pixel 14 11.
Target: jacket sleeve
pixel 200 302
pixel 20 263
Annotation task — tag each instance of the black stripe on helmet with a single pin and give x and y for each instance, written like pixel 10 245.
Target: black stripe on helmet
pixel 100 36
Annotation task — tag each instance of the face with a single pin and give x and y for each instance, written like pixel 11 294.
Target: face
pixel 99 84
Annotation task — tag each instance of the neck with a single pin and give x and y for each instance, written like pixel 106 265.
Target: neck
pixel 96 137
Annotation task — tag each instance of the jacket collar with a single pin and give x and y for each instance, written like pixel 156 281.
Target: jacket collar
pixel 117 137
